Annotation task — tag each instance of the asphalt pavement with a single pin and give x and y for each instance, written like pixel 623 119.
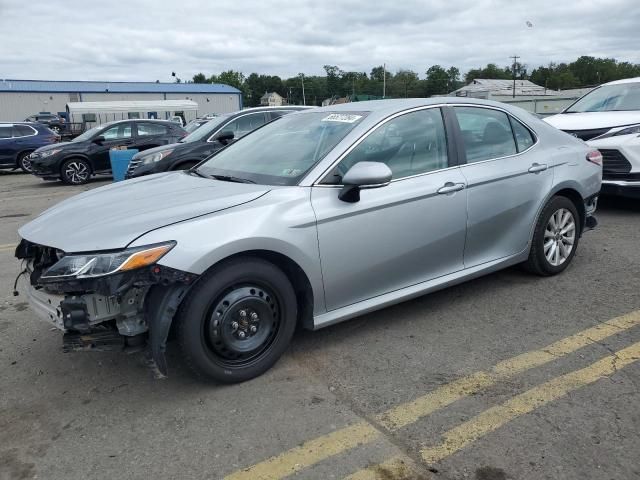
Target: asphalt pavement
pixel 509 376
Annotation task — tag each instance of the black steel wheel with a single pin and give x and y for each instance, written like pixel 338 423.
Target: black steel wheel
pixel 238 320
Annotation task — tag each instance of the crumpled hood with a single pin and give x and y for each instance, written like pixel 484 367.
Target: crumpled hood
pixel 593 120
pixel 112 216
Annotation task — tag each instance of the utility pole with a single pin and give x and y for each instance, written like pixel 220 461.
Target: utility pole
pixel 384 80
pixel 304 99
pixel 515 59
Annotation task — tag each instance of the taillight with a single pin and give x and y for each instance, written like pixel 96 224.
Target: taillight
pixel 594 156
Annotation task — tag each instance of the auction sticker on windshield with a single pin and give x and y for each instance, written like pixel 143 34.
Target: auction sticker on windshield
pixel 342 117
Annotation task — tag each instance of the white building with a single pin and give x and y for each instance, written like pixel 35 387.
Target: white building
pixel 272 99
pixel 22 98
pixel 528 95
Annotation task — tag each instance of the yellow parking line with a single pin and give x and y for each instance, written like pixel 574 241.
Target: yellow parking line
pixel 346 438
pixel 495 417
pixel 8 247
pixel 309 453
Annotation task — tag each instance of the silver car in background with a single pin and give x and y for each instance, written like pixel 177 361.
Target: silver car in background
pixel 315 218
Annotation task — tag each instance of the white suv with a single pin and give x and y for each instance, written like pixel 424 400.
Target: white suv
pixel 608 118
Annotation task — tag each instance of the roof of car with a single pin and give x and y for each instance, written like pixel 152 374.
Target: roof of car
pixel 383 108
pixel 625 80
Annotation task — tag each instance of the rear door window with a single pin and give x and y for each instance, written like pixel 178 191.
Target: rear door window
pixel 148 129
pixel 486 133
pixel 23 131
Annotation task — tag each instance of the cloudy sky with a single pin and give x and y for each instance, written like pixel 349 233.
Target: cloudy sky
pixel 146 40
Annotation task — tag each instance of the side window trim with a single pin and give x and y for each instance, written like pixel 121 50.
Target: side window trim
pixel 512 119
pixel 460 143
pixel 450 164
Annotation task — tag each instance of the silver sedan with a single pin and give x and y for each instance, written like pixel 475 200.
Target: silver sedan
pixel 315 218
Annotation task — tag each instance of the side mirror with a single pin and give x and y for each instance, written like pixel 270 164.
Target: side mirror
pixel 99 139
pixel 224 136
pixel 364 175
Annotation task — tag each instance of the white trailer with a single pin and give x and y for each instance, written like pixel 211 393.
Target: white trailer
pixel 90 114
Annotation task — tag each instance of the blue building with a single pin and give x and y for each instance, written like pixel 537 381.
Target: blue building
pixel 22 98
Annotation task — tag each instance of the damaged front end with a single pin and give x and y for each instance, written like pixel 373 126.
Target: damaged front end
pixel 111 300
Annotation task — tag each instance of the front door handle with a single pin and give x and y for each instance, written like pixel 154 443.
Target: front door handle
pixel 537 167
pixel 450 187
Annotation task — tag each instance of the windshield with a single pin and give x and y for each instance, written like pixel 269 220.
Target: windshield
pixel 609 98
pixel 205 130
pixel 282 151
pixel 88 134
pixel 193 125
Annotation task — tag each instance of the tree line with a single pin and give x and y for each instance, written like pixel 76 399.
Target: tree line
pixel 586 71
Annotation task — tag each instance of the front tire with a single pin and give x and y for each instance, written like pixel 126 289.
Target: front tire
pixel 237 320
pixel 75 171
pixel 555 238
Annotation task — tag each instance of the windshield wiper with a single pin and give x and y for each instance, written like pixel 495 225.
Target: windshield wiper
pixel 196 172
pixel 230 178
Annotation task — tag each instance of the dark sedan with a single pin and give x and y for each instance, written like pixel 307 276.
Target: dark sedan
pixel 206 140
pixel 18 140
pixel 76 161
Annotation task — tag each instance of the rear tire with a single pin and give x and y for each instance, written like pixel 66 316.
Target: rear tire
pixel 555 238
pixel 237 320
pixel 24 163
pixel 75 171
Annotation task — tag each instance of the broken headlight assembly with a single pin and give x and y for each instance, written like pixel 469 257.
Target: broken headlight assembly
pixel 91 265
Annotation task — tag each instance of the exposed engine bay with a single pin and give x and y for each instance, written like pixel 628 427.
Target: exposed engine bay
pixel 116 311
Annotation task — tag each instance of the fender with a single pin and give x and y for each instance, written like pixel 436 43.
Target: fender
pixel 161 305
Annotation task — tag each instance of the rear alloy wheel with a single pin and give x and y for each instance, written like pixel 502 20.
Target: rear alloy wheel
pixel 24 162
pixel 555 238
pixel 237 320
pixel 75 171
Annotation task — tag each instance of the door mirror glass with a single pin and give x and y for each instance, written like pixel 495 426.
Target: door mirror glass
pixel 364 175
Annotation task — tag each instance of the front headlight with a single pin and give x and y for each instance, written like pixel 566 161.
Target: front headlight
pixel 48 153
pixel 633 129
pixel 156 157
pixel 99 264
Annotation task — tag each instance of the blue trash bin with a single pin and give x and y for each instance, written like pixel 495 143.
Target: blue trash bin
pixel 120 162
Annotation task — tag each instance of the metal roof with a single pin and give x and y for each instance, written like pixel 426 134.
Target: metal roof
pixel 55 86
pixel 496 86
pixel 132 106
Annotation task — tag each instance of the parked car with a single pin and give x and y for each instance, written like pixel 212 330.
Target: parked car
pixel 193 125
pixel 76 161
pixel 54 122
pixel 608 118
pixel 313 219
pixel 177 119
pixel 205 141
pixel 18 140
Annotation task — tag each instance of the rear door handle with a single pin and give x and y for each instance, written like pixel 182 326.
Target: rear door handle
pixel 450 187
pixel 537 167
